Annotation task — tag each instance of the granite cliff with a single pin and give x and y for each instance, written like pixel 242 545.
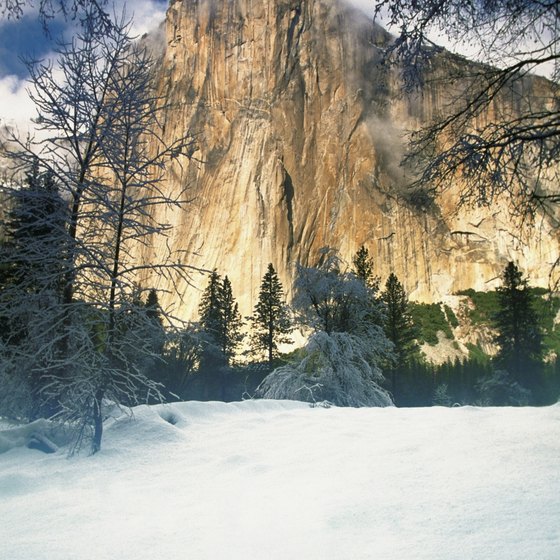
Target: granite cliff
pixel 300 133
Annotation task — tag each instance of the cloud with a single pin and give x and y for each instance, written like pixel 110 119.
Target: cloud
pixel 16 108
pixel 366 6
pixel 146 14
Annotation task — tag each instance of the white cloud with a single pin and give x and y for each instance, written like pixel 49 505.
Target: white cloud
pixel 366 6
pixel 146 14
pixel 16 108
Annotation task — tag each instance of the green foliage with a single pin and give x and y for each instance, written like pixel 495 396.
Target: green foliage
pixel 210 305
pixel 230 334
pixel 477 355
pixel 450 316
pixel 429 318
pixel 399 327
pixel 546 306
pixel 486 306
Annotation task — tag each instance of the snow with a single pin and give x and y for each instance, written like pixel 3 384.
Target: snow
pixel 281 480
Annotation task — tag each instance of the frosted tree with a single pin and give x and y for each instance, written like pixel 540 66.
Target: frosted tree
pixel 271 320
pixel 498 388
pixel 101 141
pixel 341 362
pixel 49 10
pixel 32 259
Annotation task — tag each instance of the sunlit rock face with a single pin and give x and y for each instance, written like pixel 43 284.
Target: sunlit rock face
pixel 300 133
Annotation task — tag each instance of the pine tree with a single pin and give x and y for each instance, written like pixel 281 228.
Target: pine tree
pixel 34 249
pixel 519 337
pixel 209 312
pixel 363 269
pixel 156 331
pixel 32 264
pixel 271 320
pixel 220 321
pixel 231 335
pixel 399 327
pixel 153 309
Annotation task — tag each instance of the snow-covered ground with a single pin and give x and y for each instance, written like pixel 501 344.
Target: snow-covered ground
pixel 273 480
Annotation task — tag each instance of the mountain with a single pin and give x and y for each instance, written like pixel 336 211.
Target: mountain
pixel 300 133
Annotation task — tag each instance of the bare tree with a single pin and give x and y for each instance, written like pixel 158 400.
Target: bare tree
pixel 47 10
pixel 500 132
pixel 101 140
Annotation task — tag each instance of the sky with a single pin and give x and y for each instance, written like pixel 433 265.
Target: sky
pixel 25 38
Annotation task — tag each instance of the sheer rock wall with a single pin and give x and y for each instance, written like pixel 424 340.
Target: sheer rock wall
pixel 300 133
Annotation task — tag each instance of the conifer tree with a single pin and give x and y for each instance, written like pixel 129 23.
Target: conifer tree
pixel 220 321
pixel 156 331
pixel 153 309
pixel 399 327
pixel 231 335
pixel 209 312
pixel 31 271
pixel 363 269
pixel 519 337
pixel 271 319
pixel 34 228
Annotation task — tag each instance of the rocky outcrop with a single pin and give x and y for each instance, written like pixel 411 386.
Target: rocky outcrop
pixel 300 132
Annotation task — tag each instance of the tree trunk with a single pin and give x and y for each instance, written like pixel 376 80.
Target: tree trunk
pixel 97 422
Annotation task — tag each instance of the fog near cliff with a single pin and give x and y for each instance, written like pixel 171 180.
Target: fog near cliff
pixel 366 6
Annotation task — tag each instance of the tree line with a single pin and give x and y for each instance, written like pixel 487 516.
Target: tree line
pixel 350 320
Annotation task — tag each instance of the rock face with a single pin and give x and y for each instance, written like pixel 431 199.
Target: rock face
pixel 300 133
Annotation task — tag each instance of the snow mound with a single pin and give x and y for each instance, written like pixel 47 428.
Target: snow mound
pixel 40 434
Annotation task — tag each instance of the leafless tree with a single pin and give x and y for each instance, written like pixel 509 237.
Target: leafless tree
pixel 47 10
pixel 100 138
pixel 500 132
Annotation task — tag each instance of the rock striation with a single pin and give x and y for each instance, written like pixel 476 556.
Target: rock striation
pixel 300 132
